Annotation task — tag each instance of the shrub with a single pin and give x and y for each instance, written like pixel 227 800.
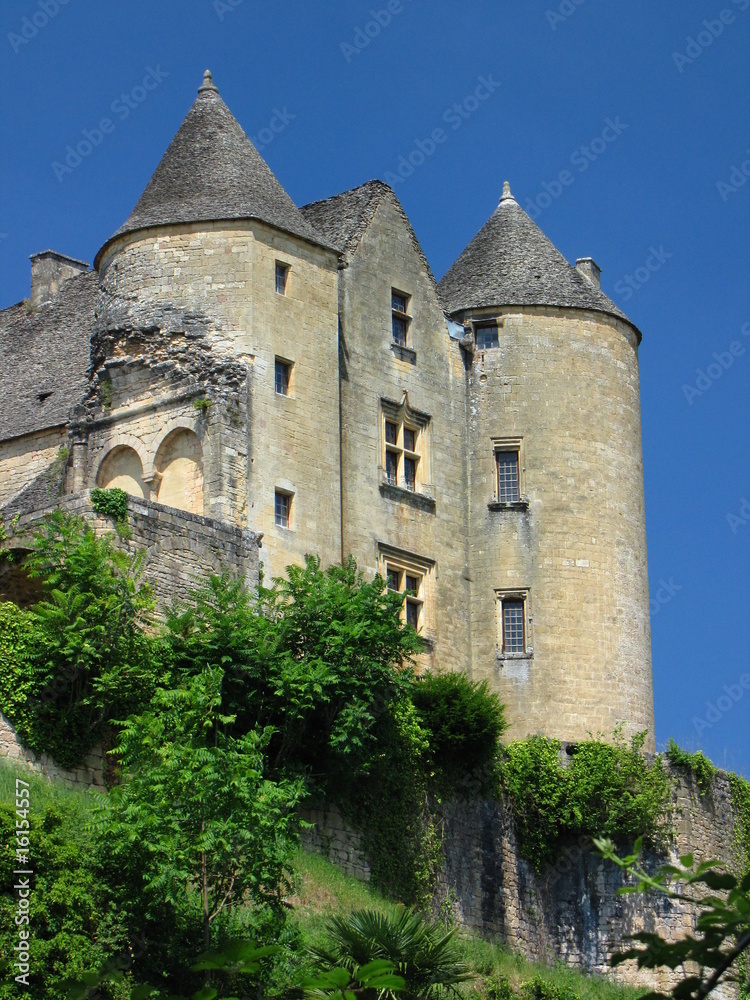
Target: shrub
pixel 697 763
pixel 608 789
pixel 463 721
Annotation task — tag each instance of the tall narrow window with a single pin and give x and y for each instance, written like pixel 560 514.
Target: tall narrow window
pixel 282 375
pixel 282 508
pixel 507 476
pixel 514 638
pixel 282 273
pixel 399 317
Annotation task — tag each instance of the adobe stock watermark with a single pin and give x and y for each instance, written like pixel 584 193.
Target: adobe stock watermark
pixel 716 710
pixel 722 362
pixel 365 34
pixel 278 123
pixel 631 283
pixel 122 106
pixel 455 116
pixel 581 158
pixel 737 178
pixel 224 7
pixel 665 593
pixel 696 45
pixel 566 10
pixel 31 26
pixel 739 520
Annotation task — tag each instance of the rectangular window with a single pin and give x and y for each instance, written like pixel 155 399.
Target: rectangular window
pixel 514 639
pixel 282 373
pixel 391 467
pixel 391 432
pixel 507 476
pixel 487 336
pixel 282 506
pixel 410 585
pixel 282 273
pixel 400 318
pixel 410 474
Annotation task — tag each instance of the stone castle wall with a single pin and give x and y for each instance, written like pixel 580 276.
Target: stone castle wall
pixel 570 912
pixel 182 549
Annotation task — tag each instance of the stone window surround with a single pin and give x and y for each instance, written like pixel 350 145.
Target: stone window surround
pixel 522 594
pixel 423 567
pixel 515 443
pixel 289 365
pixel 281 281
pixel 405 416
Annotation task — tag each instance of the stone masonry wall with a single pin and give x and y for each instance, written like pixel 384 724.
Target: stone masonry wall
pixel 571 912
pixel 89 774
pixel 182 549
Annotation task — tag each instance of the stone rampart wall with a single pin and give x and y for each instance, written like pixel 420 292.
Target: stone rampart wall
pixel 571 911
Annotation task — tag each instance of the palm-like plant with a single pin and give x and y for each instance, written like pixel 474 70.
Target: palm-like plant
pixel 423 953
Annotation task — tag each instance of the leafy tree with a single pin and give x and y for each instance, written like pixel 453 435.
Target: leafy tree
pixel 422 953
pixel 722 930
pixel 84 654
pixel 463 722
pixel 196 805
pixel 317 657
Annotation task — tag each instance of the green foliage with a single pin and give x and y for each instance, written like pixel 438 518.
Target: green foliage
pixel 373 979
pixel 722 928
pixel 697 763
pixel 607 789
pixel 202 405
pixel 463 722
pixel 542 989
pixel 317 658
pixel 196 807
pixel 73 920
pixel 83 655
pixel 113 503
pixel 422 952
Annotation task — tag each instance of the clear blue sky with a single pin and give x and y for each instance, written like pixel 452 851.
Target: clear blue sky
pixel 645 202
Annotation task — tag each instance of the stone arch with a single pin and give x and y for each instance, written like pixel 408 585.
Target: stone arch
pixel 179 469
pixel 122 467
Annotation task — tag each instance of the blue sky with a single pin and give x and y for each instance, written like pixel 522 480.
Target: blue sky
pixel 645 107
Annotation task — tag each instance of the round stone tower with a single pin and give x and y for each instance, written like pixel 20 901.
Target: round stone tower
pixel 560 608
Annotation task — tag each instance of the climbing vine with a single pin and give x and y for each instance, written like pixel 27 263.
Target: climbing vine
pixel 607 789
pixel 113 503
pixel 697 763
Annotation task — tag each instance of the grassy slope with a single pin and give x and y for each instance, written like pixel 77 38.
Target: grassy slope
pixel 323 890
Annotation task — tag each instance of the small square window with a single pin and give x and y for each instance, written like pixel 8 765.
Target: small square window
pixel 282 374
pixel 507 476
pixel 391 432
pixel 398 302
pixel 487 336
pixel 394 579
pixel 282 273
pixel 514 638
pixel 409 439
pixel 282 509
pixel 412 613
pixel 412 584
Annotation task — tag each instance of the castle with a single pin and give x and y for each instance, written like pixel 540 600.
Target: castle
pixel 267 381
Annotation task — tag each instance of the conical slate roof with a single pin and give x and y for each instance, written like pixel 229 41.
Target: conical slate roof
pixel 210 172
pixel 511 262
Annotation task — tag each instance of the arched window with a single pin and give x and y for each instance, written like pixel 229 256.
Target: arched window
pixel 122 467
pixel 179 463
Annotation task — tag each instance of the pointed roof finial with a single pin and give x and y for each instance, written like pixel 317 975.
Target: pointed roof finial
pixel 507 196
pixel 208 83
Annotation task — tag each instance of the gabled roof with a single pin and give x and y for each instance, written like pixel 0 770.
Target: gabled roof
pixel 511 262
pixel 211 172
pixel 45 358
pixel 344 219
